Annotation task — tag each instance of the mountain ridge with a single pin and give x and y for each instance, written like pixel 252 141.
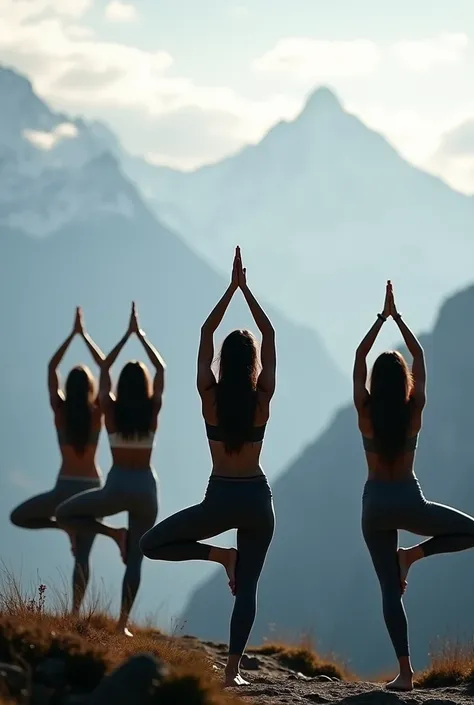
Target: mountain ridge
pixel 327 174
pixel 66 238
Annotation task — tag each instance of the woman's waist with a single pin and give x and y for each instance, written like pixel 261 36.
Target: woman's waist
pixel 239 489
pixel 236 465
pixel 392 491
pixel 395 475
pixel 131 458
pixel 87 470
pixel 146 468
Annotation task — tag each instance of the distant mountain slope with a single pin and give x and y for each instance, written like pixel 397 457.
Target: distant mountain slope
pixel 327 210
pixel 74 230
pixel 319 578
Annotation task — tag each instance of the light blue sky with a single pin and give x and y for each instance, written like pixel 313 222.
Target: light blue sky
pixel 226 70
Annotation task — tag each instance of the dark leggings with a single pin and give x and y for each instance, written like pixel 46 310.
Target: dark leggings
pixel 39 513
pixel 132 490
pixel 242 504
pixel 389 506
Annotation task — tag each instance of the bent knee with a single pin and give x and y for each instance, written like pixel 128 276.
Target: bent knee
pixel 65 509
pixel 145 544
pixel 17 518
pixel 149 542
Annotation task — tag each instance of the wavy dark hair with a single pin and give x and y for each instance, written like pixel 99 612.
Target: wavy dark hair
pixel 391 385
pixel 236 392
pixel 80 397
pixel 134 401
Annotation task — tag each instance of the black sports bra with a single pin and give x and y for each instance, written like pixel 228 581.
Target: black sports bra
pixel 256 435
pixel 410 444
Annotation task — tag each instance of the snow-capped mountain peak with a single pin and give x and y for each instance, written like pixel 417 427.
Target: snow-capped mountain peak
pixel 49 163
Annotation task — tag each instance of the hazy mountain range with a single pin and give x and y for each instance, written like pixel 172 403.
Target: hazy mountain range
pixel 326 210
pixel 74 230
pixel 319 579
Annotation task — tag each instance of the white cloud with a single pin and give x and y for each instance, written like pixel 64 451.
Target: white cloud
pixel 425 54
pixel 19 10
pixel 454 159
pixel 117 11
pixel 313 59
pixel 130 87
pixel 48 140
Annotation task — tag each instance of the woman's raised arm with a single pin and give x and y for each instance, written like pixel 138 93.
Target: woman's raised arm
pixel 157 362
pixel 205 375
pixel 359 376
pixel 93 348
pixel 105 384
pixel 267 377
pixel 55 394
pixel 416 351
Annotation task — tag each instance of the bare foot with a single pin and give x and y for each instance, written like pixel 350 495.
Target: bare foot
pixel 121 538
pixel 404 564
pixel 401 683
pixel 233 680
pixel 123 629
pixel 230 566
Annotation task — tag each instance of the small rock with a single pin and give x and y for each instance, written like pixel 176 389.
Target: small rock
pixel 41 694
pixel 268 691
pixel 250 663
pixel 51 672
pixel 298 677
pixel 136 681
pixel 317 698
pixel 75 699
pixel 15 681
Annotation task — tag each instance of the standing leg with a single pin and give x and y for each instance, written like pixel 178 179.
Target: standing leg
pixel 139 523
pixel 80 576
pixel 451 530
pixel 382 546
pixel 37 512
pixel 252 547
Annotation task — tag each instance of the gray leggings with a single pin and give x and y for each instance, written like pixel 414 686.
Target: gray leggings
pixel 132 490
pixel 39 513
pixel 389 506
pixel 242 504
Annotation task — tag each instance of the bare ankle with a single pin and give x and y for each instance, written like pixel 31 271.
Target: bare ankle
pixel 406 669
pixel 218 555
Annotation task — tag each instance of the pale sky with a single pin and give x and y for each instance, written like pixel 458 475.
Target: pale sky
pixel 186 82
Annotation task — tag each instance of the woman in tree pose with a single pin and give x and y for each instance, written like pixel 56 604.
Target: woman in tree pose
pixel 390 418
pixel 131 419
pixel 78 421
pixel 236 409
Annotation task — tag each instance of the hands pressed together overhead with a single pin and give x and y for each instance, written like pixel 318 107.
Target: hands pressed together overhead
pixel 389 308
pixel 239 273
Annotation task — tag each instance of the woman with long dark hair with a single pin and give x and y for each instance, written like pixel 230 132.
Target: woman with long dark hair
pixel 390 418
pixel 131 419
pixel 78 421
pixel 236 408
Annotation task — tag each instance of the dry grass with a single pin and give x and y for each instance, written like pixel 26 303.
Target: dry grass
pixel 303 658
pixel 90 647
pixel 450 665
pixel 31 628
